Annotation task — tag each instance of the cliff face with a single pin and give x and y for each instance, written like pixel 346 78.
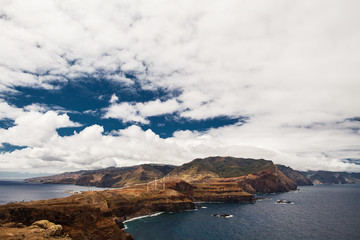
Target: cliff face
pixel 251 175
pixel 212 191
pixel 326 177
pixel 96 215
pixel 267 181
pixel 294 175
pixel 99 215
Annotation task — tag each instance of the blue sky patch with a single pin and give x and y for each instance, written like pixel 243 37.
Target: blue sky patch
pixel 6 147
pixel 84 99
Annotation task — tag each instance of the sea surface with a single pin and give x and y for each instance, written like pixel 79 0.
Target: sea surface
pixel 17 191
pixel 318 212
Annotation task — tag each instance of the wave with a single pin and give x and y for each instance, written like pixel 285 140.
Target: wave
pixel 144 216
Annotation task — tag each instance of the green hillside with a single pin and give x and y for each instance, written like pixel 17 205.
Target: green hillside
pixel 225 167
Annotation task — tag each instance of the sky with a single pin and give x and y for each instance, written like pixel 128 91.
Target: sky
pixel 93 84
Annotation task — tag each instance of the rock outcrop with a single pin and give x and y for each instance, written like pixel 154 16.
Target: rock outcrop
pixel 42 229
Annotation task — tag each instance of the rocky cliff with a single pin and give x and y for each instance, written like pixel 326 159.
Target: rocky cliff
pixel 96 215
pixel 212 191
pixel 100 215
pixel 294 175
pixel 251 175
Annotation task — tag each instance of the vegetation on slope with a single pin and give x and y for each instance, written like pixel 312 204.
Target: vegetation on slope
pixel 224 167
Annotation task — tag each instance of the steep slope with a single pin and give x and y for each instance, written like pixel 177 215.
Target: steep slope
pixel 212 191
pixel 109 177
pixel 326 177
pixel 294 175
pixel 267 181
pixel 251 175
pixel 219 167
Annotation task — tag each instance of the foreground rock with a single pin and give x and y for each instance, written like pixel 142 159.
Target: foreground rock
pixel 39 230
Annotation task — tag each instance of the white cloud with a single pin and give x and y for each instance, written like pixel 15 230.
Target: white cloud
pixel 113 98
pixel 138 112
pixel 286 65
pixel 34 128
pixel 91 149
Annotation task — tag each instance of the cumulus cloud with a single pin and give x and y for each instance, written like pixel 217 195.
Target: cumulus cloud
pixel 138 112
pixel 31 127
pixel 91 149
pixel 290 67
pixel 113 98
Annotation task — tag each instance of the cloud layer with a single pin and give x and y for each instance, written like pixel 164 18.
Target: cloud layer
pixel 291 68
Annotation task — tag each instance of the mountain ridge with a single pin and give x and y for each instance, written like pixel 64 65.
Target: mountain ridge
pixel 254 175
pixel 328 177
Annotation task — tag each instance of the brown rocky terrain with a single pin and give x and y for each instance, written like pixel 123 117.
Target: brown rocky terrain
pixel 212 191
pixel 251 175
pixel 100 215
pixel 294 175
pixel 196 171
pixel 39 230
pixel 96 215
pixel 108 177
pixel 267 181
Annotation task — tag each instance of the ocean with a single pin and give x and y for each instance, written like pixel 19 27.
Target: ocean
pixel 318 212
pixel 17 191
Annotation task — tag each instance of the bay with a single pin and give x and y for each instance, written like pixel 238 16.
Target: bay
pixel 17 191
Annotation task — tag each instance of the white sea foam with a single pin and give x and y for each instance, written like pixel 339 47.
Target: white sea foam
pixel 140 217
pixel 190 210
pixel 203 207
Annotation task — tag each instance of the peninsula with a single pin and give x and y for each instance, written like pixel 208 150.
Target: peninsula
pixel 153 188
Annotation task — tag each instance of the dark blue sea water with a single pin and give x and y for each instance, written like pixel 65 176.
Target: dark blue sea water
pixel 12 190
pixel 319 212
